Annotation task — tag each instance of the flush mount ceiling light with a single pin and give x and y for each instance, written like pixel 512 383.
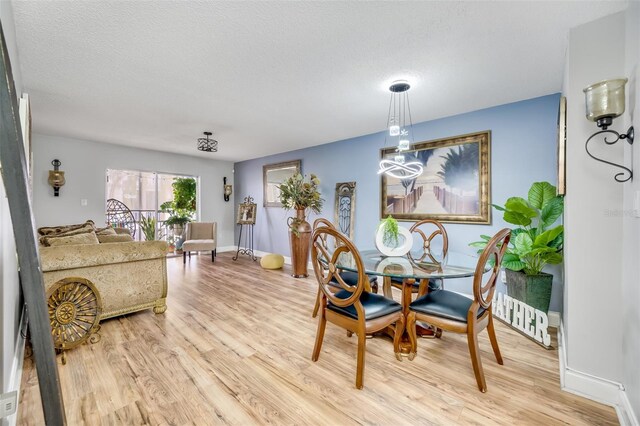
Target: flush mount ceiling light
pixel 207 145
pixel 400 129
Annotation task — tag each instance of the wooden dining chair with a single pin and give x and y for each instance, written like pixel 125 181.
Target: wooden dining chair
pixel 350 277
pixel 457 313
pixel 353 307
pixel 428 231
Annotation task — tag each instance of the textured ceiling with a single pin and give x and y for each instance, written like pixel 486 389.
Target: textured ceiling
pixel 269 77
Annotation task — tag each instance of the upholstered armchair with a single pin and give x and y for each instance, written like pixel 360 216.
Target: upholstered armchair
pixel 200 236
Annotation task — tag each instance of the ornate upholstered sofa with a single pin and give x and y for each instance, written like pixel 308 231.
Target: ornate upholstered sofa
pixel 130 276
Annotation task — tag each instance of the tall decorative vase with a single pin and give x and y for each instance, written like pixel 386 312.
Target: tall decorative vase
pixel 300 243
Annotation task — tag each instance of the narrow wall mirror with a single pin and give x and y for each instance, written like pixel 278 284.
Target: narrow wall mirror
pixel 272 176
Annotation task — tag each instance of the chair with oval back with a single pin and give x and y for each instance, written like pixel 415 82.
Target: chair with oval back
pixel 353 307
pixel 423 286
pixel 348 276
pixel 458 313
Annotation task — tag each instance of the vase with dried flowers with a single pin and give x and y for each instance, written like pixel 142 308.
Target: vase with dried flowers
pixel 300 193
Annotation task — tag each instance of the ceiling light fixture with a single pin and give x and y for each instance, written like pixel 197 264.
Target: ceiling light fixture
pixel 207 145
pixel 397 120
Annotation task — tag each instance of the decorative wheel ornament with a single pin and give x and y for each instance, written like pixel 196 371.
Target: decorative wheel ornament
pixel 400 170
pixel 75 307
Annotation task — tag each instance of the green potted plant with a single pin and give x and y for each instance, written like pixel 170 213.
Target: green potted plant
pixel 148 227
pixel 181 208
pixel 300 193
pixel 390 232
pixel 535 243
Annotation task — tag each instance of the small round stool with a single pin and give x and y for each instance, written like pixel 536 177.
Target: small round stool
pixel 272 261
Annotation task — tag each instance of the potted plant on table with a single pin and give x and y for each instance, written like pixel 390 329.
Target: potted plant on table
pixel 300 193
pixel 534 244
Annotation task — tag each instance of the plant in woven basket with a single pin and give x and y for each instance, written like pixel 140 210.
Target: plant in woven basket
pixel 300 193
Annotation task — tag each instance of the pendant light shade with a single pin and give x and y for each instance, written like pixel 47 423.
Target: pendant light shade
pixel 400 130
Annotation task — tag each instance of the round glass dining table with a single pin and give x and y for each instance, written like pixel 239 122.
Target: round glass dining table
pixel 415 266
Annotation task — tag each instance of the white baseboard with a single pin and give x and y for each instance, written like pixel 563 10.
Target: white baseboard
pixel 595 388
pixel 15 379
pixel 626 415
pixel 226 248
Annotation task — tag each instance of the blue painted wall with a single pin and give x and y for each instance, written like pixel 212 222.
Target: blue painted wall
pixel 523 150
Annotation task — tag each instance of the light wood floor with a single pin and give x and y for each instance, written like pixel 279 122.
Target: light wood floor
pixel 234 347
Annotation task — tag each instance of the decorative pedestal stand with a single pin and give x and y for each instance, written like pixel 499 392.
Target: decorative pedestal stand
pixel 247 248
pixel 246 219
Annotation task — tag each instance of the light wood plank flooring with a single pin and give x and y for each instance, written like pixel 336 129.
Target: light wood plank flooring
pixel 234 347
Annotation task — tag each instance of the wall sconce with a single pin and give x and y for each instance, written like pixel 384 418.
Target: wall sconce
pixel 56 177
pixel 228 189
pixel 605 101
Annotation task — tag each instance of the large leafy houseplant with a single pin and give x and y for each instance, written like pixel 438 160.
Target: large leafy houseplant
pixel 535 242
pixel 183 205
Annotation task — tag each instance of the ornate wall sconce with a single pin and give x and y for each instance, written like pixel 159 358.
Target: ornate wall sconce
pixel 605 101
pixel 228 189
pixel 56 177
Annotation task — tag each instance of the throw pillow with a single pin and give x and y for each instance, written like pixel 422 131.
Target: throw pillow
pixel 120 231
pixel 86 238
pixel 120 238
pixel 67 229
pixel 105 231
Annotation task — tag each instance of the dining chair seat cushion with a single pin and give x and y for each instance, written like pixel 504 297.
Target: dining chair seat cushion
pixel 351 278
pixel 444 304
pixel 375 306
pixel 434 283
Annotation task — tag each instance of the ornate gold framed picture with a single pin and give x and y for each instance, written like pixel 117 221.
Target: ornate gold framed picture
pixel 455 185
pixel 247 214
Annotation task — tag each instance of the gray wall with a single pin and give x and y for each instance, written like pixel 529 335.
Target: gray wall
pixel 592 238
pixel 85 164
pixel 523 150
pixel 631 224
pixel 602 243
pixel 10 295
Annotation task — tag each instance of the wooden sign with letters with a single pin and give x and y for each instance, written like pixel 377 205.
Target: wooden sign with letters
pixel 527 320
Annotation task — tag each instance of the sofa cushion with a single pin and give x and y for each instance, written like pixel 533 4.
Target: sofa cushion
pixel 83 256
pixel 198 245
pixel 65 240
pixel 115 238
pixel 88 226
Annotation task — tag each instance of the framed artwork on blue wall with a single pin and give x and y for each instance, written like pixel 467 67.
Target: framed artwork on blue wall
pixel 455 185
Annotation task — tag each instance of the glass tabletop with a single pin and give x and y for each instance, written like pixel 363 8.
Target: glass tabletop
pixel 416 264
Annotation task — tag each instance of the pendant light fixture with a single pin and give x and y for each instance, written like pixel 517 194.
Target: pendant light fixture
pixel 207 145
pixel 400 129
